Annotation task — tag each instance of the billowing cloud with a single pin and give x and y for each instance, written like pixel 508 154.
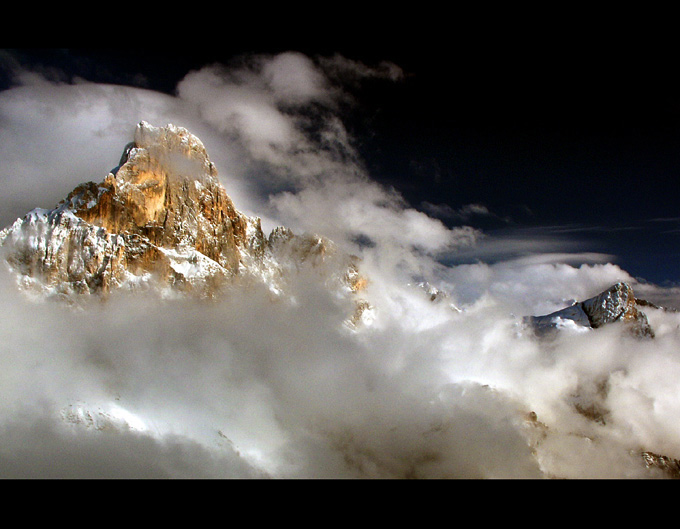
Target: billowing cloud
pixel 284 112
pixel 246 387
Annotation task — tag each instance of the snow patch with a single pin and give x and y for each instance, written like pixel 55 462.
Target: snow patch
pixel 192 264
pixel 104 416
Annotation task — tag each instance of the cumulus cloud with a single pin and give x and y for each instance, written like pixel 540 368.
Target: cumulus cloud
pixel 246 387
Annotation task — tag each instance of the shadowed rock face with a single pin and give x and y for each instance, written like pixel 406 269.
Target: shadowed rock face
pixel 617 303
pixel 161 219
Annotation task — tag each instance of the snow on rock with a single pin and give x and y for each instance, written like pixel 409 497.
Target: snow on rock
pixel 104 416
pixel 617 303
pixel 160 220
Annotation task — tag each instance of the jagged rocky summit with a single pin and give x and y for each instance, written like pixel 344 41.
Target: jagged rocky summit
pixel 616 304
pixel 160 220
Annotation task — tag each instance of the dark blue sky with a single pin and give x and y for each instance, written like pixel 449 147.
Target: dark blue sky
pixel 577 144
pixel 572 140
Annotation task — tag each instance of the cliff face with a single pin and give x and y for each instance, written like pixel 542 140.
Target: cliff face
pixel 161 220
pixel 167 191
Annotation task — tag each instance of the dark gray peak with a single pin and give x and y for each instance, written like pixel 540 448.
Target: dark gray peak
pixel 615 304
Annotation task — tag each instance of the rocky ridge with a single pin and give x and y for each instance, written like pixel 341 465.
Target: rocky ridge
pixel 161 220
pixel 616 304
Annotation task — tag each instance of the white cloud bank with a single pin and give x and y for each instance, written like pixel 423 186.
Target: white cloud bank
pixel 247 388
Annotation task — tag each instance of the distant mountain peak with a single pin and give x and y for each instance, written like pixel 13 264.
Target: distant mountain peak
pixel 617 303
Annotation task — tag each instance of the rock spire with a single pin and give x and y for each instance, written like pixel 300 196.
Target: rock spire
pixel 161 219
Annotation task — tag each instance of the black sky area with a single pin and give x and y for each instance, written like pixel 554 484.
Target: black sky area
pixel 577 139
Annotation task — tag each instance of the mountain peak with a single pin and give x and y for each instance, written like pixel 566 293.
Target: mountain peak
pixel 171 148
pixel 168 192
pixel 617 303
pixel 161 218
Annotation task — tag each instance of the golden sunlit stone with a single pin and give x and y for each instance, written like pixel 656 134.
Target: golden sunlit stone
pixel 161 218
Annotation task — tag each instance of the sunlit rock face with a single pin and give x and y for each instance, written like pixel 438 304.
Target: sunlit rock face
pixel 160 220
pixel 616 304
pixel 167 191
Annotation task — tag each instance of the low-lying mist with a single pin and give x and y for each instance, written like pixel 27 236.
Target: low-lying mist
pixel 251 386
